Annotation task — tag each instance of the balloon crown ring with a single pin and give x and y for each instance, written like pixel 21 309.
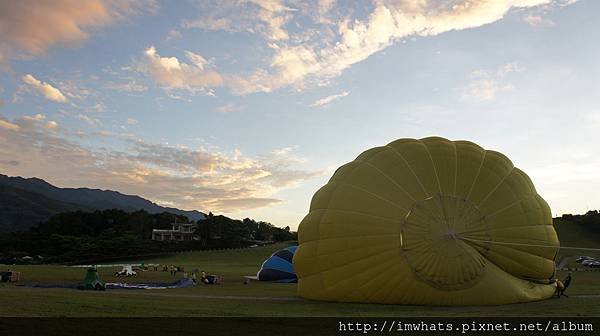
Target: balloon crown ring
pixel 433 245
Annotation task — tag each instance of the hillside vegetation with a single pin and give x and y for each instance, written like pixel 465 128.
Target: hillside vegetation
pixel 579 230
pixel 79 237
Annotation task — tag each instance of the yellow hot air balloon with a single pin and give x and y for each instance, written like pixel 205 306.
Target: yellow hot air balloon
pixel 428 221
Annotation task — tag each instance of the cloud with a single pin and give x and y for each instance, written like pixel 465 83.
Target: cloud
pixel 566 2
pixel 171 73
pixel 227 108
pixel 327 100
pixel 131 86
pixel 533 20
pixel 51 125
pixel 191 178
pixel 310 50
pixel 49 91
pixel 6 125
pixel 28 122
pixel 32 26
pixel 265 17
pixel 537 20
pixel 482 90
pixel 173 34
pixel 485 84
pixel 324 7
pixel 89 120
pixel 4 67
pixel 245 203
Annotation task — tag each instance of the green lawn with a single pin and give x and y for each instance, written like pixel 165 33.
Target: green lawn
pixel 234 298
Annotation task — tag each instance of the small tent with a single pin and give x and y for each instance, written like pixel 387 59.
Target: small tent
pixel 92 281
pixel 278 267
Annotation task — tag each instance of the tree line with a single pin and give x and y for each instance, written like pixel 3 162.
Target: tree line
pixel 78 237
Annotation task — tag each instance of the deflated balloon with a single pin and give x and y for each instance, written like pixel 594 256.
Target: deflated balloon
pixel 428 221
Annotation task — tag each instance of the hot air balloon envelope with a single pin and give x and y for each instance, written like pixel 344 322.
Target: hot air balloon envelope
pixel 278 267
pixel 428 221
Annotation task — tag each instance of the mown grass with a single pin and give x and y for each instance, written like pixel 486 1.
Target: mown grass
pixel 234 298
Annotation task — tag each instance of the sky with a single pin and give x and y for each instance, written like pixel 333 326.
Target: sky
pixel 247 107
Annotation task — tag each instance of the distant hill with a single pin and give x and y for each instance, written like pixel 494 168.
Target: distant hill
pixel 27 201
pixel 581 231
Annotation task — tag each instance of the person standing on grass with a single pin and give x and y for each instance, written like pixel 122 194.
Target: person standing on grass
pixel 565 284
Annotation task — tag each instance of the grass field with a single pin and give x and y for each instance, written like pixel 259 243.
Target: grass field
pixel 234 298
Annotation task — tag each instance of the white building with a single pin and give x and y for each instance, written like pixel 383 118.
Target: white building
pixel 179 232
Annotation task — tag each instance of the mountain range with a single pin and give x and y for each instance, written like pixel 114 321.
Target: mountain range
pixel 27 201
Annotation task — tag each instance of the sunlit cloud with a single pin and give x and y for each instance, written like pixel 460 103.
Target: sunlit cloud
pixel 308 56
pixel 279 62
pixel 171 73
pixel 189 178
pixel 49 91
pixel 6 125
pixel 32 26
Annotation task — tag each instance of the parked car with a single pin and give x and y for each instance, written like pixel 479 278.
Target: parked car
pixel 581 259
pixel 592 263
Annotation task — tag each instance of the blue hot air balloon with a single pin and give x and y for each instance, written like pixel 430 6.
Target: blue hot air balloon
pixel 278 267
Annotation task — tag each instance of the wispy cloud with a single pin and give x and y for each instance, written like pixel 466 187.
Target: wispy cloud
pixel 485 84
pixel 329 99
pixel 88 119
pixel 131 86
pixel 322 49
pixel 227 108
pixel 537 20
pixel 265 17
pixel 173 34
pixel 482 90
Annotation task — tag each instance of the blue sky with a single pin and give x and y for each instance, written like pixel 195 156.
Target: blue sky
pixel 247 107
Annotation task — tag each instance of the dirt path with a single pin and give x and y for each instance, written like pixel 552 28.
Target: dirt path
pixel 164 293
pixel 147 292
pixel 259 298
pixel 161 293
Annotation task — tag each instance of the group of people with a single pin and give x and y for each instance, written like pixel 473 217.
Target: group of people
pixel 172 269
pixel 6 276
pixel 209 279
